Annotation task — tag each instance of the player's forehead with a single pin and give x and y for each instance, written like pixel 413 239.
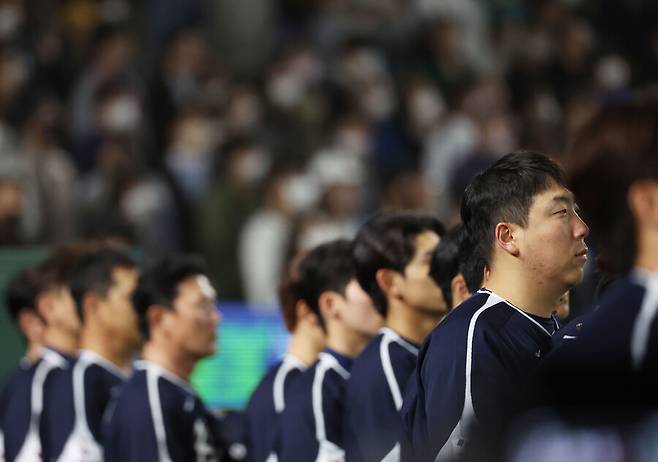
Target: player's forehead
pixel 425 242
pixel 554 194
pixel 196 287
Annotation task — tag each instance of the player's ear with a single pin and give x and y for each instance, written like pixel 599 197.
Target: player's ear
pixel 90 302
pixel 459 290
pixel 31 325
pixel 643 201
pixel 387 281
pixel 304 313
pixel 329 304
pixel 506 239
pixel 154 316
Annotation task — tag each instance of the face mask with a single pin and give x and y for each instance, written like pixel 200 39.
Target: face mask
pixel 426 107
pixel 252 166
pixel 300 193
pixel 121 115
pixel 612 73
pixel 285 90
pixel 353 141
pixel 378 102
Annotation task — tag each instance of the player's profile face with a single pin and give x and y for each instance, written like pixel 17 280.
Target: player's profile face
pixel 195 317
pixel 418 289
pixel 117 312
pixel 358 311
pixel 552 246
pixel 62 313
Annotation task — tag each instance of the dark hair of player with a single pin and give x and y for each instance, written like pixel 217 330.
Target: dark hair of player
pixel 504 193
pixel 618 147
pixel 327 267
pixel 22 291
pixel 94 272
pixel 388 241
pixel 289 294
pixel 444 265
pixel 158 284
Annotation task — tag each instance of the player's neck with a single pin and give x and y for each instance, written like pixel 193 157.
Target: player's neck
pixel 94 341
pixel 525 293
pixel 33 352
pixel 61 341
pixel 345 341
pixel 178 364
pixel 412 324
pixel 303 348
pixel 647 254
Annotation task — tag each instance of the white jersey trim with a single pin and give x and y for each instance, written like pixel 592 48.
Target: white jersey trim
pixel 460 434
pixel 288 364
pixel 390 336
pixel 327 448
pixel 642 326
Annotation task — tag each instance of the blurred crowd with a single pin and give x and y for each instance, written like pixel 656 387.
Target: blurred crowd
pixel 247 131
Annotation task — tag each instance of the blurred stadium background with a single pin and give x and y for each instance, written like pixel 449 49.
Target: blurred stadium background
pixel 248 130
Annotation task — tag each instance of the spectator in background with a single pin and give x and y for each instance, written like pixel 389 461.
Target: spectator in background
pixel 233 196
pixel 266 239
pixel 269 399
pixel 157 415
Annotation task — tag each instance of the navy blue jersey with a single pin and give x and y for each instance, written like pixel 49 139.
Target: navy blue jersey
pixel 21 405
pixel 471 378
pixel 311 423
pixel 266 404
pixel 158 417
pixel 372 425
pixel 612 364
pixel 75 402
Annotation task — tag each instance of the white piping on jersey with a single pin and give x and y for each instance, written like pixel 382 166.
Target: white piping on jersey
pixel 486 291
pixel 289 363
pixel 164 373
pixel 453 446
pixel 390 336
pixel 31 449
pixel 152 375
pixel 393 455
pixel 81 444
pixel 568 337
pixel 94 358
pixel 642 326
pixel 325 362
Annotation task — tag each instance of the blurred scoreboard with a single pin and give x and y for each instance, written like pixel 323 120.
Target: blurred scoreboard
pixel 249 341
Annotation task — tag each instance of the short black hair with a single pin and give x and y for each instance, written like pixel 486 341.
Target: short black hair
pixel 22 292
pixel 158 284
pixel 94 273
pixel 444 265
pixel 504 193
pixel 388 240
pixel 471 264
pixel 327 267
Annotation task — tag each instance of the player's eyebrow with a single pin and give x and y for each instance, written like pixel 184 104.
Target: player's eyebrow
pixel 567 198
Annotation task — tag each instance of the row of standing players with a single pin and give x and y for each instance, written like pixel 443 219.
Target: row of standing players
pixel 428 385
pixel 495 378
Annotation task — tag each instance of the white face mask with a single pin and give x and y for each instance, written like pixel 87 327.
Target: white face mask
pixel 122 115
pixel 378 102
pixel 356 142
pixel 300 193
pixel 252 166
pixel 426 107
pixel 286 90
